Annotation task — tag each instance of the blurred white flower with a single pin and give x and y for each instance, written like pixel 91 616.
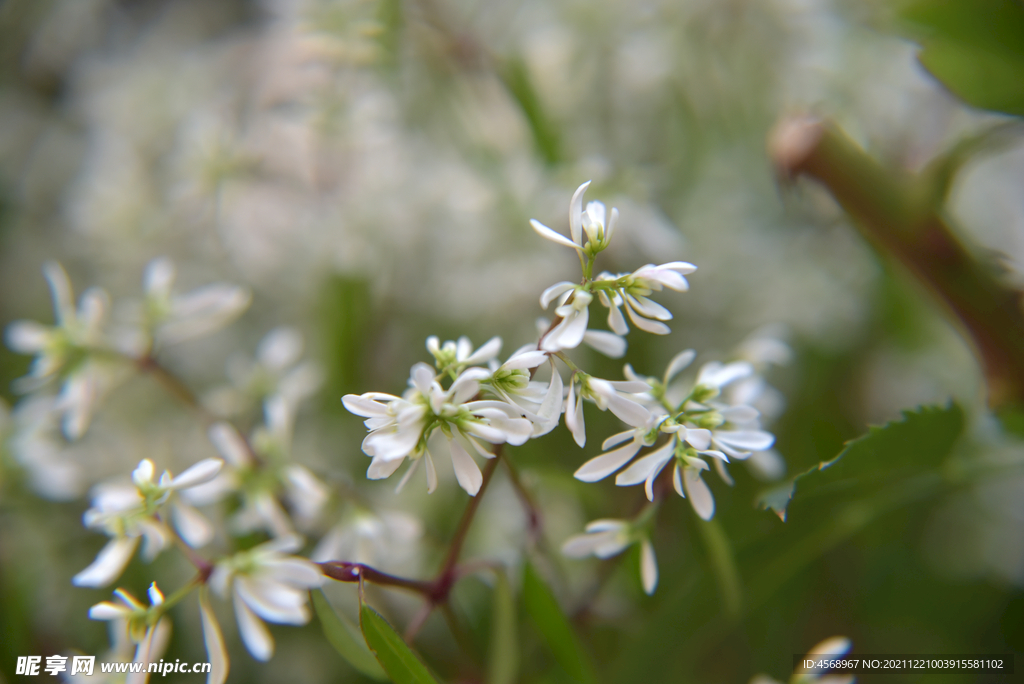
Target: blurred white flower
pixel 145 626
pixel 384 540
pixel 127 513
pixel 267 584
pixel 172 318
pixel 37 446
pixel 276 371
pixel 607 538
pixel 75 349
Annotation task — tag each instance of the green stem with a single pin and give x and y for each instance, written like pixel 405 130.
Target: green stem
pixel 900 215
pixel 722 559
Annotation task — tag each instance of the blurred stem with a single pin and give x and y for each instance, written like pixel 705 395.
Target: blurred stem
pixel 455 549
pixel 902 216
pixel 174 386
pixel 533 519
pixel 724 562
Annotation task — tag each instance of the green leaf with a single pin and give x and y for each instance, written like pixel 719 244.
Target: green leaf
pixel 342 636
pixel 974 47
pixel 555 629
pixel 885 458
pixel 397 659
pixel 503 657
pixel 516 77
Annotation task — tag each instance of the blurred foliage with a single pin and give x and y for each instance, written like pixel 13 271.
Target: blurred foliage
pixel 975 47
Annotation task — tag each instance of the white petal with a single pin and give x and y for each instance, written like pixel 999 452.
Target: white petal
pixel 109 611
pixel 745 440
pixel 644 467
pixel 28 337
pixel 698 493
pixel 609 344
pixel 649 308
pixel 648 567
pixel 230 444
pixel 574 416
pixel 431 473
pixel 216 653
pixel 363 406
pixel 722 472
pixel 654 327
pixel 604 465
pixel 678 363
pixel 529 359
pixel 556 290
pixel 272 602
pixel 413 466
pixel 201 472
pixel 280 348
pixel 628 411
pixel 380 469
pixel 616 322
pixel 546 232
pixel 158 277
pixel 466 470
pixel 143 473
pixel 253 632
pixel 485 353
pixel 60 290
pixel 109 563
pixel 715 374
pixel 698 438
pixel 191 525
pixel 568 333
pixel 203 311
pixel 617 438
pixel 576 214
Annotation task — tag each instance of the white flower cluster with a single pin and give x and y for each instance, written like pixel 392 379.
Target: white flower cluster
pixel 87 354
pixel 497 404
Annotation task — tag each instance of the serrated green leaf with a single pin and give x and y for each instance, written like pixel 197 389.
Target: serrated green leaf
pixel 885 456
pixel 342 636
pixel 397 659
pixel 974 47
pixel 503 657
pixel 555 629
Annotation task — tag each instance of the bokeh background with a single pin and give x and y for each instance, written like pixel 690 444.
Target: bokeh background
pixel 367 168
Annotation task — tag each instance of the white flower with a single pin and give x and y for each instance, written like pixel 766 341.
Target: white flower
pixel 454 356
pixel 683 446
pixel 267 584
pixel 402 427
pixel 573 310
pixel 510 382
pixel 145 626
pixel 387 539
pixel 608 395
pixel 128 513
pixel 606 538
pixel 590 221
pixel 260 484
pixel 632 291
pixel 174 318
pixel 75 348
pixel 276 371
pixel 37 445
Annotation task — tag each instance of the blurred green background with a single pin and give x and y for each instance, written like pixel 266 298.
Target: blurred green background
pixel 368 168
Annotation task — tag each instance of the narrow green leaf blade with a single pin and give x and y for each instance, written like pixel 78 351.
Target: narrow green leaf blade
pixel 397 659
pixel 503 658
pixel 341 635
pixel 555 629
